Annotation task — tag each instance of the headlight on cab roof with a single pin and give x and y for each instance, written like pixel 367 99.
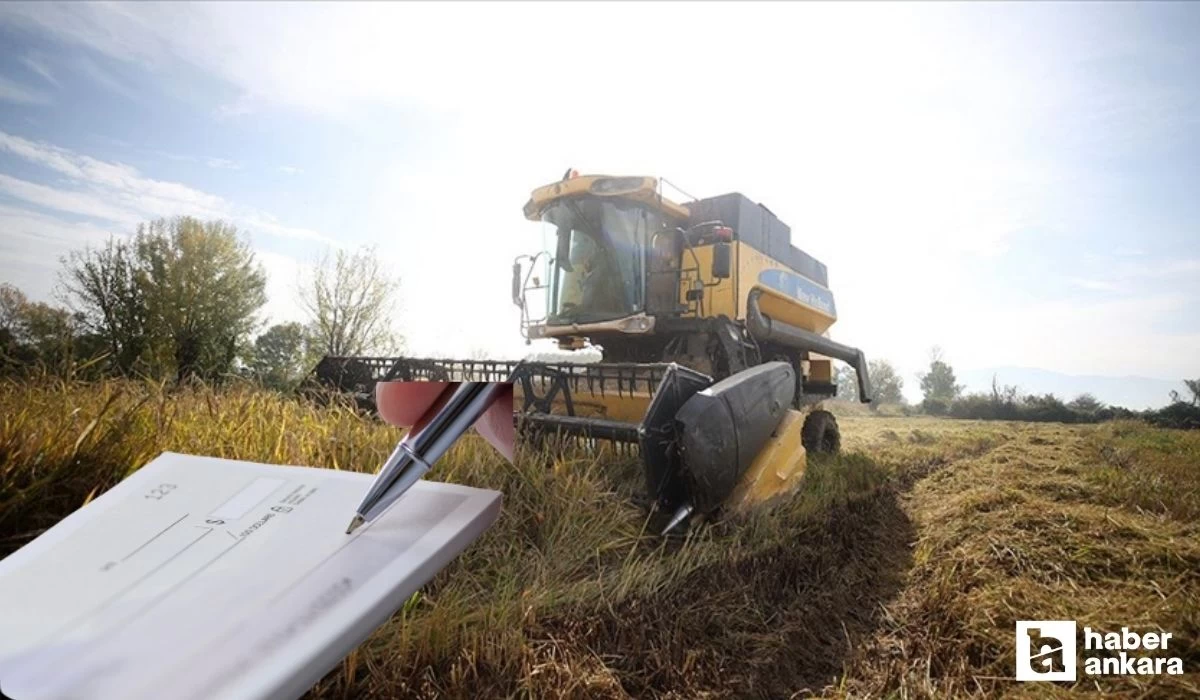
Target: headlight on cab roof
pixel 617 185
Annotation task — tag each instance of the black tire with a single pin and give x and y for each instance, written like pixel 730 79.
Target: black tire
pixel 820 435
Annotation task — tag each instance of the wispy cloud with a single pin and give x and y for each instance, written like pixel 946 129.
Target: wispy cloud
pixel 1157 268
pixel 290 170
pixel 38 66
pixel 118 193
pixel 82 203
pixel 102 77
pixel 1093 285
pixel 12 91
pixel 210 161
pixel 238 108
pixel 33 243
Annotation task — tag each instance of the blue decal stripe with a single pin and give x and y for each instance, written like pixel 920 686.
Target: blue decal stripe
pixel 799 288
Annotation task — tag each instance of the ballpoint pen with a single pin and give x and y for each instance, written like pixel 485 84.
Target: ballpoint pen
pixel 459 408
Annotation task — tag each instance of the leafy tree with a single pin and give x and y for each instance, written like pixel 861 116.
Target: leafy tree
pixel 350 299
pixel 201 287
pixel 280 355
pixel 12 300
pixel 847 383
pixel 103 291
pixel 1193 386
pixel 1085 403
pixel 1006 395
pixel 180 297
pixel 34 332
pixel 1046 408
pixel 886 383
pixel 49 331
pixel 939 381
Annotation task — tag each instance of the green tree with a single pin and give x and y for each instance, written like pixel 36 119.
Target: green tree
pixel 179 298
pixel 280 355
pixel 939 382
pixel 202 288
pixel 49 331
pixel 350 298
pixel 1085 403
pixel 847 384
pixel 1193 386
pixel 886 383
pixel 12 300
pixel 110 304
pixel 34 332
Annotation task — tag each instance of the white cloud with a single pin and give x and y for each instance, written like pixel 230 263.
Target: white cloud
pixel 38 65
pixel 11 91
pixel 232 110
pixel 1093 285
pixel 222 164
pixel 81 203
pixel 1116 337
pixel 120 197
pixel 290 170
pixel 102 77
pixel 118 193
pixel 33 244
pixel 1188 266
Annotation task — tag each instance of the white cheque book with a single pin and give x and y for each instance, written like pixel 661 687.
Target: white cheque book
pixel 199 577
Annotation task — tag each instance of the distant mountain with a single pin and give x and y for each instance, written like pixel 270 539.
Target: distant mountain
pixel 1131 392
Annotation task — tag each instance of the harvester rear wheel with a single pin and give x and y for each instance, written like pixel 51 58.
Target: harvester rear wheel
pixel 820 435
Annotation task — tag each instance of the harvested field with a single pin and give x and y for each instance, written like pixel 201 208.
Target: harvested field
pixel 897 570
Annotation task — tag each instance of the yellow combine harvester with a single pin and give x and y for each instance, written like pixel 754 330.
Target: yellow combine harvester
pixel 713 328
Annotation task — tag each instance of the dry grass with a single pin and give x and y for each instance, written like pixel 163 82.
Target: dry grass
pixel 1040 526
pixel 897 570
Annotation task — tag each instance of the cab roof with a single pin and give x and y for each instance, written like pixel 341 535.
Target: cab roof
pixel 636 188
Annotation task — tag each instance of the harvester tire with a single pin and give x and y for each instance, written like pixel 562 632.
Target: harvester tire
pixel 820 435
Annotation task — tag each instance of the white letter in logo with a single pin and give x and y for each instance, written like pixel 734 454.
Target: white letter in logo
pixel 1045 650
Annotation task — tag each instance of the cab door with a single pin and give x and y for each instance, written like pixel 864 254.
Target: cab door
pixel 662 271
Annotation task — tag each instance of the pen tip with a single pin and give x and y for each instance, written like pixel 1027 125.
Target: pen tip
pixel 684 512
pixel 355 524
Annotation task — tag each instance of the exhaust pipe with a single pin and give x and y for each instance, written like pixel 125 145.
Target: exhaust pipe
pixel 766 329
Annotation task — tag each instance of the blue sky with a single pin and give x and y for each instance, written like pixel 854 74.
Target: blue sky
pixel 1012 182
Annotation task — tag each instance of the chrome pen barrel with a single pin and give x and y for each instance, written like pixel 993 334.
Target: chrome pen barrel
pixel 417 453
pixel 460 412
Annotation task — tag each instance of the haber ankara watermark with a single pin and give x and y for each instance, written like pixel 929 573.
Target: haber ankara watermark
pixel 1046 651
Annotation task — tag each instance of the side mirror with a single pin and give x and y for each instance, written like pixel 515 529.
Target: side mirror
pixel 516 284
pixel 722 261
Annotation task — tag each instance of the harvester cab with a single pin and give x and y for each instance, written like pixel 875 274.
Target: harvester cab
pixel 713 329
